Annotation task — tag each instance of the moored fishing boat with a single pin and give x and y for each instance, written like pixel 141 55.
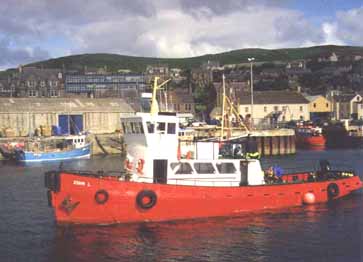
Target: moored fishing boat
pixel 310 137
pixel 54 149
pixel 158 185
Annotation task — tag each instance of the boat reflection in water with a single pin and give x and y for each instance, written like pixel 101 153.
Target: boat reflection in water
pixel 248 238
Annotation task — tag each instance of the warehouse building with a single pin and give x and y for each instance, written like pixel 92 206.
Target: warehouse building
pixel 23 116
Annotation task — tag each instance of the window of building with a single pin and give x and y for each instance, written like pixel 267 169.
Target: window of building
pixel 204 168
pixel 327 104
pixel 171 128
pixel 226 168
pixel 182 168
pixel 246 109
pixel 276 108
pixel 53 93
pixel 301 108
pixel 284 108
pixel 314 105
pixel 150 127
pixel 186 107
pixel 32 93
pixel 265 109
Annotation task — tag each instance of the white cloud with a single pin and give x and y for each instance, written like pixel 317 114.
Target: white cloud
pixel 164 28
pixel 330 32
pixel 349 26
pixel 174 33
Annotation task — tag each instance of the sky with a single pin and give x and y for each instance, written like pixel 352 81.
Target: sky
pixel 34 30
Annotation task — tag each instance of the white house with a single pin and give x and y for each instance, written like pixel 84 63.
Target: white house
pixel 274 106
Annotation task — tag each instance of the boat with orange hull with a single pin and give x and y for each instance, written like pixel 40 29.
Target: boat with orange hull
pixel 97 199
pixel 309 137
pixel 158 184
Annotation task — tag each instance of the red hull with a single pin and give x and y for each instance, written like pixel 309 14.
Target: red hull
pixel 310 141
pixel 75 200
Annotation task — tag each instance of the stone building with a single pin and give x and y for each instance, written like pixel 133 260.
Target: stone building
pixel 161 71
pixel 24 115
pixel 37 82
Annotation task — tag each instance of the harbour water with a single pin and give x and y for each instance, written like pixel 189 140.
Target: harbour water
pixel 326 232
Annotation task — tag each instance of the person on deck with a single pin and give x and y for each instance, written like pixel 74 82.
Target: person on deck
pixel 251 148
pixel 274 175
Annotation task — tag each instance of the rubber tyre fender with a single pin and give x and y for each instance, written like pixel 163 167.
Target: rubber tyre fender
pixel 333 190
pixel 146 194
pixel 101 196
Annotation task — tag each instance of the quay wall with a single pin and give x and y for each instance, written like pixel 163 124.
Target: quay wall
pixel 270 142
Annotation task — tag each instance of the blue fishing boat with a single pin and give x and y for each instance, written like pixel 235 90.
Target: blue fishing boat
pixel 55 149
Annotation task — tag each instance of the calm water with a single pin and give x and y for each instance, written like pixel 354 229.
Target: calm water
pixel 328 232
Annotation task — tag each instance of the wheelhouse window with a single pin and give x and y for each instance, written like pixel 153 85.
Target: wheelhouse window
pixel 150 127
pixel 161 127
pixel 141 128
pixel 204 168
pixel 133 128
pixel 226 168
pixel 181 168
pixel 171 128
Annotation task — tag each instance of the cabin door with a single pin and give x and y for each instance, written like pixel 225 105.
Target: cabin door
pixel 160 171
pixel 244 173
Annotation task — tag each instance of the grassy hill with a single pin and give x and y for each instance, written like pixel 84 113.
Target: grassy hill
pixel 114 62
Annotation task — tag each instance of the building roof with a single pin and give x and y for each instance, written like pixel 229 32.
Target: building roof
pixel 312 98
pixel 273 97
pixel 344 97
pixel 39 72
pixel 63 105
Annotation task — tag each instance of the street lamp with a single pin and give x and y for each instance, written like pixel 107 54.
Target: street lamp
pixel 251 59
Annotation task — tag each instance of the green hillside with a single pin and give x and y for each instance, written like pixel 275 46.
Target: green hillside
pixel 113 62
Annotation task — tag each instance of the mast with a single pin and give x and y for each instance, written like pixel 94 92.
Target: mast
pixel 223 104
pixel 154 102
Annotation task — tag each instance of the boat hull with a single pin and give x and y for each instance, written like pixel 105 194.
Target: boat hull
pixel 310 141
pixel 28 156
pixel 74 199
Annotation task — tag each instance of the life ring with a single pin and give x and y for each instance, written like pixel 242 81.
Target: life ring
pixel 333 190
pixel 101 196
pixel 140 166
pixel 146 199
pixel 128 165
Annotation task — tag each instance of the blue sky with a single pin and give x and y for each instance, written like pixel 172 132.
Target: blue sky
pixel 41 29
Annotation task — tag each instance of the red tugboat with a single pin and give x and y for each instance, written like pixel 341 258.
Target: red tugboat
pixel 159 186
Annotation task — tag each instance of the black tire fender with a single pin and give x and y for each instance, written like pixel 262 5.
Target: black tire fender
pixel 333 190
pixel 151 195
pixel 101 196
